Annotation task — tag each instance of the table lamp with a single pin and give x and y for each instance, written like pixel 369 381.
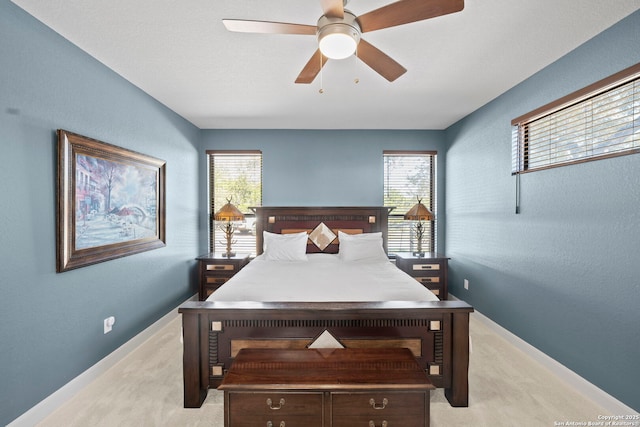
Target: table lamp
pixel 228 213
pixel 419 212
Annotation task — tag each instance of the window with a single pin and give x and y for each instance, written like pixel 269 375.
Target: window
pixel 599 121
pixel 235 176
pixel 409 175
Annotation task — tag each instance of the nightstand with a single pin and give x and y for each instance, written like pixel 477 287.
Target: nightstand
pixel 216 269
pixel 431 270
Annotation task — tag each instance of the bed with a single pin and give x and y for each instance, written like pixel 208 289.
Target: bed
pixel 437 332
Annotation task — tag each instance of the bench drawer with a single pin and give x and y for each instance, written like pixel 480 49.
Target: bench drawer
pixel 262 408
pixel 395 409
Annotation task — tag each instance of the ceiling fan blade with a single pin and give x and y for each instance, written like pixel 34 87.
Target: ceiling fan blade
pixel 312 68
pixel 379 61
pixel 267 27
pixel 333 8
pixel 407 11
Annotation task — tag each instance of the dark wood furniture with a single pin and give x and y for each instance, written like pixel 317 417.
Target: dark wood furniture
pixel 215 269
pixel 326 387
pixel 437 332
pixel 431 270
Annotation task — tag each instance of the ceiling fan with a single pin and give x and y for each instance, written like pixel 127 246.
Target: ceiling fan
pixel 339 32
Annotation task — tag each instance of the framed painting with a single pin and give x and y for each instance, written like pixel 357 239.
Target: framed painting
pixel 110 202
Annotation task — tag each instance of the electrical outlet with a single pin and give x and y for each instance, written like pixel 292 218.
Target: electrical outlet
pixel 466 284
pixel 108 324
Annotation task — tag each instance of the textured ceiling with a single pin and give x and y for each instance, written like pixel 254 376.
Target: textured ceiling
pixel 180 53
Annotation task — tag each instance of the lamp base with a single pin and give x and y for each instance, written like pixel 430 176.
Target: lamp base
pixel 229 254
pixel 418 254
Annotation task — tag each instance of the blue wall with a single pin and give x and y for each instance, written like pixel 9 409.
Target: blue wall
pixel 325 167
pixel 51 328
pixel 564 274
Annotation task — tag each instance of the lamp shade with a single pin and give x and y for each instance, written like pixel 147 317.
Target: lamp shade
pixel 228 213
pixel 419 212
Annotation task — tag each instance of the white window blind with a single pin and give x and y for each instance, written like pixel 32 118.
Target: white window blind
pixel 235 176
pixel 600 121
pixel 408 176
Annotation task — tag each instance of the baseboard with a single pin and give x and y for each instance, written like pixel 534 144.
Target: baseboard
pixel 47 406
pixel 575 381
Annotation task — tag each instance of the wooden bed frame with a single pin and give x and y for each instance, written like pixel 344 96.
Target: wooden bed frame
pixel 437 332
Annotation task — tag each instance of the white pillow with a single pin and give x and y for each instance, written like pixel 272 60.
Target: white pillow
pixel 361 247
pixel 285 247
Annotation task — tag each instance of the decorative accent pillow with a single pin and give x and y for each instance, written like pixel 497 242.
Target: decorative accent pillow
pixel 322 236
pixel 285 247
pixel 361 247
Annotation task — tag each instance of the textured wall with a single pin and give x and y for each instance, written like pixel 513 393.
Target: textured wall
pixel 51 327
pixel 564 273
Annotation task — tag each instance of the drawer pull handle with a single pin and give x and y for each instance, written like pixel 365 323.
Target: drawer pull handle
pixel 426 266
pixel 372 424
pixel 270 424
pixel 226 267
pixel 374 405
pixel 275 408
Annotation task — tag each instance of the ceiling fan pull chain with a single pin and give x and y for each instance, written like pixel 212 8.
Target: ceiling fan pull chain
pixel 321 84
pixel 357 79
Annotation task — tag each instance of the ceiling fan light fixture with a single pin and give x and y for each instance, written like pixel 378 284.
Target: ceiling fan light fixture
pixel 337 41
pixel 338 38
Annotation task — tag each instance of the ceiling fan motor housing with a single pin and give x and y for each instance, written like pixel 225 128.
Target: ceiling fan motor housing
pixel 338 37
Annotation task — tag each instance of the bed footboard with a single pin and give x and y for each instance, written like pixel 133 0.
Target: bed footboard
pixel 436 332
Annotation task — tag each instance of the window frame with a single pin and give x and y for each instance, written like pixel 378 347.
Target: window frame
pixel 213 236
pixel 520 125
pixel 429 200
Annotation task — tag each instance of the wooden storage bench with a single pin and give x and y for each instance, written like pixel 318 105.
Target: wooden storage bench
pixel 326 387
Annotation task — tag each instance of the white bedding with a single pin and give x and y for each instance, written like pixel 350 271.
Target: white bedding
pixel 323 277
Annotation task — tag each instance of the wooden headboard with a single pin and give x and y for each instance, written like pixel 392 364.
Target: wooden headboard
pixel 352 220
